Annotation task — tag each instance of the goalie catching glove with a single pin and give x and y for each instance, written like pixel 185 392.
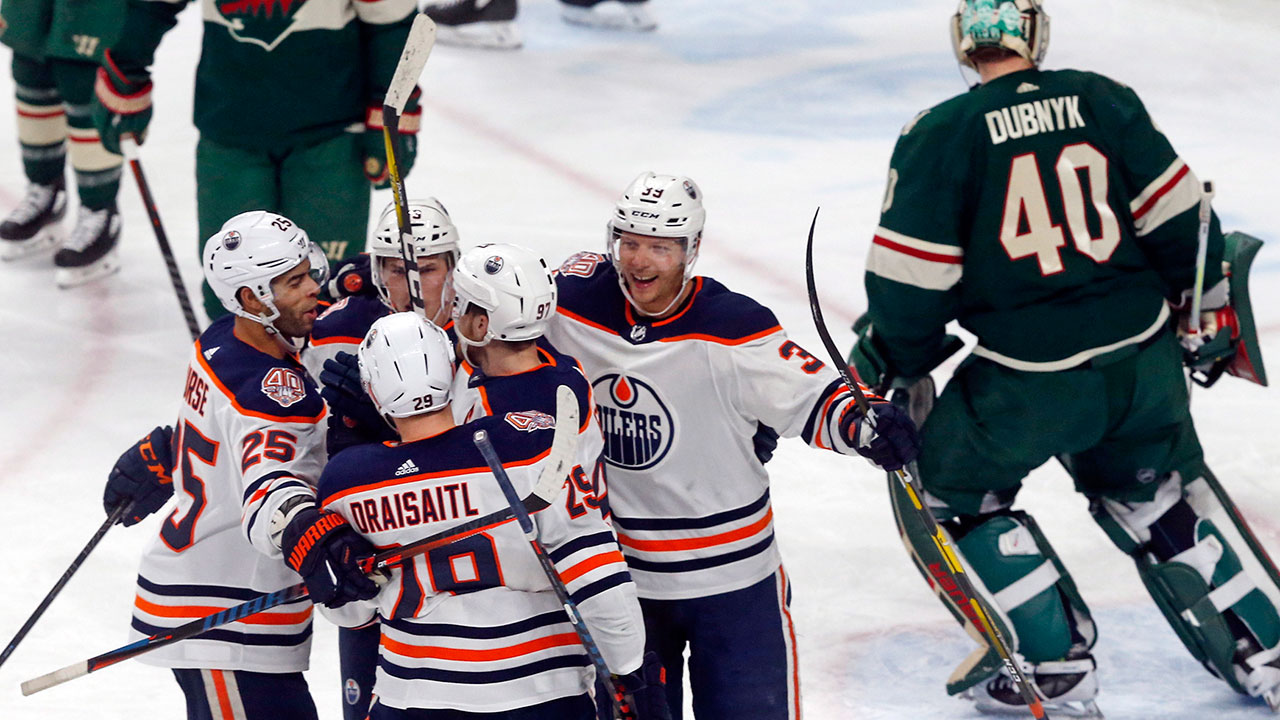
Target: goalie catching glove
pixel 142 477
pixel 323 548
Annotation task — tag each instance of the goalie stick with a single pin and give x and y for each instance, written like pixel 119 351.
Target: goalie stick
pixel 564 446
pixel 112 519
pixel 981 613
pixel 422 37
pixel 564 400
pixel 129 146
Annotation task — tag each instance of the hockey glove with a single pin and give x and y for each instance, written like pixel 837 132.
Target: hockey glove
pixel 1214 344
pixel 326 551
pixel 375 145
pixel 355 420
pixel 142 477
pixel 122 103
pixel 891 443
pixel 352 277
pixel 642 695
pixel 765 441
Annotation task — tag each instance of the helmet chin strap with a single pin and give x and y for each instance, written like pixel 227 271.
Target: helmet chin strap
pixel 622 283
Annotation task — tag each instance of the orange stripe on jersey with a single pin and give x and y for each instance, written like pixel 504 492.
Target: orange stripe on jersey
pixel 337 339
pixel 584 321
pixel 199 611
pixel 220 687
pixel 434 652
pixel 586 566
pixel 231 398
pixel 428 476
pixel 699 542
pixel 826 407
pixel 724 341
pixel 688 303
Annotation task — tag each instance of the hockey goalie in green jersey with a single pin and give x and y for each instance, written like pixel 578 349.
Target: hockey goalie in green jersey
pixel 1046 213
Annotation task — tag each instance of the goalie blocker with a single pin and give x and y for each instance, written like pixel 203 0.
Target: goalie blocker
pixel 1234 349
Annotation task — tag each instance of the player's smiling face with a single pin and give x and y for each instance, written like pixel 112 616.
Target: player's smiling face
pixel 653 269
pixel 294 294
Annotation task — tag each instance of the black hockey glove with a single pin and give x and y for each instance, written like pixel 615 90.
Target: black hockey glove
pixel 326 551
pixel 891 443
pixel 765 441
pixel 351 276
pixel 142 477
pixel 642 695
pixel 355 420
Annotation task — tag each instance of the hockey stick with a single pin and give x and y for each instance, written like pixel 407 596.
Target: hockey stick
pixel 565 401
pixel 981 614
pixel 551 480
pixel 112 519
pixel 1202 252
pixel 422 37
pixel 129 147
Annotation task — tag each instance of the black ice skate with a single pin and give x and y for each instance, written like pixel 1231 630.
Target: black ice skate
pixel 35 225
pixel 476 23
pixel 90 251
pixel 609 14
pixel 1067 688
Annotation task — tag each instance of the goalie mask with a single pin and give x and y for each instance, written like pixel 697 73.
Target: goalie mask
pixel 251 250
pixel 665 206
pixel 433 234
pixel 406 365
pixel 1021 26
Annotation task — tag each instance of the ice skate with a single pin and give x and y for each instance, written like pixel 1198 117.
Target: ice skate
pixel 90 251
pixel 35 225
pixel 476 23
pixel 1067 688
pixel 609 14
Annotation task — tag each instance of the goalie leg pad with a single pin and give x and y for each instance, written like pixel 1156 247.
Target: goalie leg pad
pixel 1192 549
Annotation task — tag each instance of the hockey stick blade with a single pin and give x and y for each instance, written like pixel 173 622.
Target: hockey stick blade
pixel 417 48
pixel 564 446
pixel 981 613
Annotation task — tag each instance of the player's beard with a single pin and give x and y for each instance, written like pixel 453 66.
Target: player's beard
pixel 295 323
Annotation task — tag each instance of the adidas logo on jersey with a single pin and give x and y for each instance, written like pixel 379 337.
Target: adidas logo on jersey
pixel 208 354
pixel 1027 87
pixel 406 468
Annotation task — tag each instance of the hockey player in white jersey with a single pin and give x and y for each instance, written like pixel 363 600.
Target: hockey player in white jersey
pixel 682 370
pixel 340 329
pixel 473 629
pixel 248 447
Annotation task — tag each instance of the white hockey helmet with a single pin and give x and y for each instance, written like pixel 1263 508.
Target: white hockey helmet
pixel 1021 26
pixel 666 206
pixel 252 249
pixel 513 284
pixel 406 365
pixel 433 234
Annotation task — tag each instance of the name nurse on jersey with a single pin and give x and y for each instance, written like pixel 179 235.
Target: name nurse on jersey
pixel 1032 118
pixel 637 425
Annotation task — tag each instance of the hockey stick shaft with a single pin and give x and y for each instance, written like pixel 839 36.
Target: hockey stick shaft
pixel 130 148
pixel 482 442
pixel 980 613
pixel 550 482
pixel 1202 252
pixel 417 48
pixel 112 519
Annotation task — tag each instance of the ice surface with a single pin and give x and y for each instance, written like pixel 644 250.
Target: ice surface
pixel 774 108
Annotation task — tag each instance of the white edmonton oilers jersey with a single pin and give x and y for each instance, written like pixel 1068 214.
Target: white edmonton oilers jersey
pixel 341 328
pixel 249 436
pixel 679 401
pixel 474 625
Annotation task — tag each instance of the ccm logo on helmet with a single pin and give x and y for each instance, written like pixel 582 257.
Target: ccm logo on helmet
pixel 644 214
pixel 638 427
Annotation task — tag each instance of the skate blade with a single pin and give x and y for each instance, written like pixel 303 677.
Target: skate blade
pixel 43 241
pixel 500 35
pixel 1273 699
pixel 108 264
pixel 610 16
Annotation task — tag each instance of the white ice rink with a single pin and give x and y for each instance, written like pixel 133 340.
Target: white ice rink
pixel 774 108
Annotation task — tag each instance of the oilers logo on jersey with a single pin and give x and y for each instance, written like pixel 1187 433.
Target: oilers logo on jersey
pixel 638 426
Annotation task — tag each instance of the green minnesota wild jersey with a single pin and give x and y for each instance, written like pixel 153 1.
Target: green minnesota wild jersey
pixel 1046 212
pixel 276 74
